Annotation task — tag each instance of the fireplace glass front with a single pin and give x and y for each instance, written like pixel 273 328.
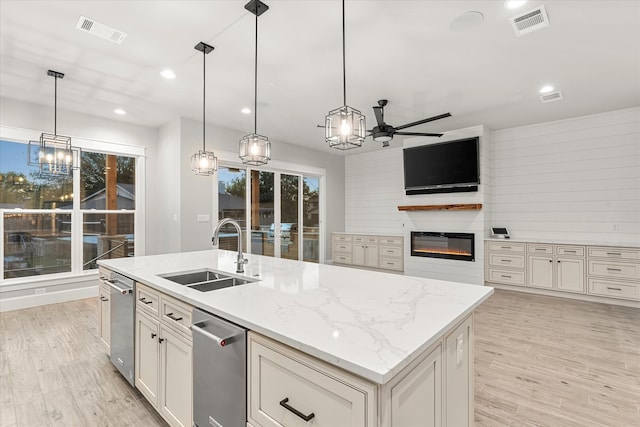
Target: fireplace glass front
pixel 458 246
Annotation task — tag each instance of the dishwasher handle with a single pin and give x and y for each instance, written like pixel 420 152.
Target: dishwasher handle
pixel 221 341
pixel 120 287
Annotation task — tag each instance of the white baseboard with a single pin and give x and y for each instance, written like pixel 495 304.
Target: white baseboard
pixel 27 301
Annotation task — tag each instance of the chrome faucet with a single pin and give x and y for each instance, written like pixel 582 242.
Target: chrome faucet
pixel 241 259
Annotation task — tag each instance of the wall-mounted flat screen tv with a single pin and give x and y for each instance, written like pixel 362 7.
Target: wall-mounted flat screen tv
pixel 444 167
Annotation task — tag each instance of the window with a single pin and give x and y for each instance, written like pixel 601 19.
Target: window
pixel 232 184
pixel 42 220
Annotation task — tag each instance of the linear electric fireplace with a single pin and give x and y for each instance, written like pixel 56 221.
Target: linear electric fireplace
pixel 460 246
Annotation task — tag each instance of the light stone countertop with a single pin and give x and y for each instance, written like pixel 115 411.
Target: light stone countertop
pixel 370 323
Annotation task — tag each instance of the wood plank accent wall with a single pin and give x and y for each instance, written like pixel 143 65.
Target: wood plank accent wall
pixel 459 207
pixel 569 180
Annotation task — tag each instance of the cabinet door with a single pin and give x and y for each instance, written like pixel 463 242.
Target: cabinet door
pixel 371 255
pixel 417 399
pixel 176 378
pixel 105 316
pixel 147 357
pixel 570 275
pixel 358 254
pixel 540 272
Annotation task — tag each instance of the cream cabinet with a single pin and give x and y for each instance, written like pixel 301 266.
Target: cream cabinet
pixel 556 267
pixel 506 263
pixel 163 347
pixel 614 272
pixel 372 251
pixel 104 308
pixel 293 389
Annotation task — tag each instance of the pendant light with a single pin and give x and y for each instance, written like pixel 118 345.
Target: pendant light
pixel 54 152
pixel 255 149
pixel 204 162
pixel 345 126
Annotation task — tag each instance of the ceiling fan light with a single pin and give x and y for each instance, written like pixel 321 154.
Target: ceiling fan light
pixel 345 128
pixel 255 150
pixel 382 137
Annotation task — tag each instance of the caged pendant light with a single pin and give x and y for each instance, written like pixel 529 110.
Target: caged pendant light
pixel 53 153
pixel 345 126
pixel 255 149
pixel 204 162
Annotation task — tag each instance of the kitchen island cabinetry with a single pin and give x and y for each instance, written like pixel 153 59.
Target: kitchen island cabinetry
pixel 163 349
pixel 104 312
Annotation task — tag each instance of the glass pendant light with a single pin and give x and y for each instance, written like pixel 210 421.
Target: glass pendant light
pixel 204 162
pixel 255 149
pixel 344 127
pixel 53 152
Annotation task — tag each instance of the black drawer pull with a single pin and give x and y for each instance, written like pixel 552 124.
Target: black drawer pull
pixel 569 252
pixel 614 253
pixel 172 317
pixel 614 269
pixel 541 249
pixel 614 289
pixel 309 417
pixel 144 301
pixel 103 299
pixel 505 260
pixel 153 335
pixel 505 276
pixel 505 247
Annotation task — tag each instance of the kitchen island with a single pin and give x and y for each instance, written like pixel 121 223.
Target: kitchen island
pixel 379 329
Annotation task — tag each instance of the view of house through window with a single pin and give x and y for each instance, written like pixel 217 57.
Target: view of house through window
pixel 38 212
pixel 232 185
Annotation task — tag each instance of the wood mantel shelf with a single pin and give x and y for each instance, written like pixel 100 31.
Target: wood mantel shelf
pixel 462 207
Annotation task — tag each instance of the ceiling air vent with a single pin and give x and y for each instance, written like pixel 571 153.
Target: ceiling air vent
pixel 529 22
pixel 100 30
pixel 551 96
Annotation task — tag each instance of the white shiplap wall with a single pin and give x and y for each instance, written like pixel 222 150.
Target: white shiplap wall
pixel 374 188
pixel 570 180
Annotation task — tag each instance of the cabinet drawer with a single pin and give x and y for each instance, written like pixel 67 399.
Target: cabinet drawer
pixel 612 288
pixel 342 247
pixel 387 251
pixel 342 258
pixel 570 250
pixel 536 248
pixel 391 264
pixel 282 381
pixel 176 315
pixel 342 237
pixel 395 241
pixel 104 273
pixel 615 253
pixel 507 277
pixel 506 247
pixel 506 260
pixel 148 299
pixel 617 270
pixel 366 239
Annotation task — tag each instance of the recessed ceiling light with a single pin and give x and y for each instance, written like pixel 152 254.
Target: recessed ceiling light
pixel 514 4
pixel 120 111
pixel 546 89
pixel 245 110
pixel 168 74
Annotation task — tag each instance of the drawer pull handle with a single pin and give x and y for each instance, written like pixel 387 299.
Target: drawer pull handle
pixel 153 335
pixel 505 247
pixel 613 269
pixel 505 260
pixel 284 404
pixel 541 249
pixel 172 317
pixel 614 253
pixel 614 289
pixel 104 299
pixel 569 252
pixel 505 276
pixel 144 300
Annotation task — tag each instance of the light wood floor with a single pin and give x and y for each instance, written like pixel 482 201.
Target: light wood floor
pixel 540 361
pixel 556 362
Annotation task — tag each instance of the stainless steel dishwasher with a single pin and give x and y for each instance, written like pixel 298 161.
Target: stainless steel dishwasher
pixel 219 372
pixel 122 324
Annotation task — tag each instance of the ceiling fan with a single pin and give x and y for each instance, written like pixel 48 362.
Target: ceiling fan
pixel 384 132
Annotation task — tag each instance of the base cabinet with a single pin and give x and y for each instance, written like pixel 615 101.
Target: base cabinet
pixel 163 361
pixel 292 389
pixel 104 314
pixel 381 252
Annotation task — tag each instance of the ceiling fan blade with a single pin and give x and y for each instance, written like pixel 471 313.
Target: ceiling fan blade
pixel 379 115
pixel 418 133
pixel 419 122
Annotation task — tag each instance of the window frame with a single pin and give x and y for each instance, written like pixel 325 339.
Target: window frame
pixel 23 136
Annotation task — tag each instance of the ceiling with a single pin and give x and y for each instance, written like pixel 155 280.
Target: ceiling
pixel 403 51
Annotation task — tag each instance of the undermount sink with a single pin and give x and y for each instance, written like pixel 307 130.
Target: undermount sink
pixel 205 280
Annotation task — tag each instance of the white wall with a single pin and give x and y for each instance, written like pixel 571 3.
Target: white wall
pixel 572 180
pixel 374 185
